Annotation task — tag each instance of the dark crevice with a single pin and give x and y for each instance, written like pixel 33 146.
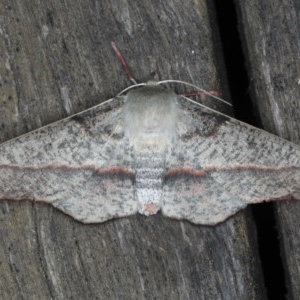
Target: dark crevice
pixel 267 234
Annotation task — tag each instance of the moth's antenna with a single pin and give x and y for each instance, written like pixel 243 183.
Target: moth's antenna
pixel 131 87
pixel 131 77
pixel 123 62
pixel 211 93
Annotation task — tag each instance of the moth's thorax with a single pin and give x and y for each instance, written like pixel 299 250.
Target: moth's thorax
pixel 149 118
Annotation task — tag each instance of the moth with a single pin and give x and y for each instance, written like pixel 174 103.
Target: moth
pixel 146 151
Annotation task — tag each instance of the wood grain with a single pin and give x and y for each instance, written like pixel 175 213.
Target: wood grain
pixel 56 60
pixel 270 33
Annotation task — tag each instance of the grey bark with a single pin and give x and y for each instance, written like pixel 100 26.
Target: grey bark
pixel 271 40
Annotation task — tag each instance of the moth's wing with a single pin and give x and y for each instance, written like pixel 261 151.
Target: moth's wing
pixel 81 165
pixel 219 165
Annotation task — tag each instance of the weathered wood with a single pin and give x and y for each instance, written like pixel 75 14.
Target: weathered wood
pixel 270 31
pixel 56 60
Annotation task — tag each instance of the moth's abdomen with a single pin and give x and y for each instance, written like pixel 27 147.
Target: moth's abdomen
pixel 149 174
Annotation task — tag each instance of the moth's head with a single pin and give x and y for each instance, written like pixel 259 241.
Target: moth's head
pixel 150 110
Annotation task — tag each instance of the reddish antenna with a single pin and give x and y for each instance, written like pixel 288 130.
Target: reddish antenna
pixel 197 93
pixel 123 62
pixel 131 77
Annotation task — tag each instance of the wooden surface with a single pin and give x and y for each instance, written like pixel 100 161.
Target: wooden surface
pixel 270 32
pixel 56 60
